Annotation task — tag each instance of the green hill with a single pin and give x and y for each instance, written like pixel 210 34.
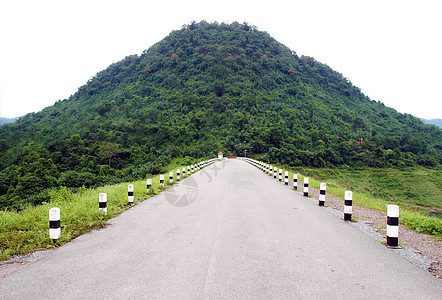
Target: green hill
pixel 205 88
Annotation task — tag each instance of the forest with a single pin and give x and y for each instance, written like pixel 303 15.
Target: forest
pixel 204 88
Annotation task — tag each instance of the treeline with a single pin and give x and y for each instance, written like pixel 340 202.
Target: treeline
pixel 205 88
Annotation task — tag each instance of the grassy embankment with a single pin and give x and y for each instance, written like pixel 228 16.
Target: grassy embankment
pixel 416 190
pixel 28 230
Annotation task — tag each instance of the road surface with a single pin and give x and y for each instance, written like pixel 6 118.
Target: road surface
pixel 240 235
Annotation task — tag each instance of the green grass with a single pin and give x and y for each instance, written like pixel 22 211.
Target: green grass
pixel 28 230
pixel 416 190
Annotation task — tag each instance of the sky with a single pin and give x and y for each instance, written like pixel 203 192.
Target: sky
pixel 391 50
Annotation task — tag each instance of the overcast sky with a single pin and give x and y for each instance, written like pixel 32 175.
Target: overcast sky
pixel 391 50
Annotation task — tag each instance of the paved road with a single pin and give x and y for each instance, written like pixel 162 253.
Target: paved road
pixel 244 236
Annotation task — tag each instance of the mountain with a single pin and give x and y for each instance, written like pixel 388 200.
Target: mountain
pixel 436 122
pixel 7 120
pixel 205 88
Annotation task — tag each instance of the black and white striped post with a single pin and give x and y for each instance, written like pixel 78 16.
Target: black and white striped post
pixel 392 225
pixel 184 172
pixel 286 178
pixel 305 186
pixel 280 175
pixel 348 205
pixel 267 168
pixel 295 181
pixel 102 203
pixel 275 172
pixel 148 184
pixel 188 170
pixel 271 171
pixel 162 180
pixel 322 189
pixel 192 169
pixel 54 223
pixel 130 193
pixel 170 177
pixel 178 175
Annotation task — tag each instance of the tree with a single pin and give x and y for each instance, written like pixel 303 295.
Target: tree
pixel 108 150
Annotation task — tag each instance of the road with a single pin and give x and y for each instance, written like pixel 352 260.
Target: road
pixel 240 235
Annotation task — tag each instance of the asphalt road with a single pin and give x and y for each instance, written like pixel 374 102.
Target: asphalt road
pixel 236 234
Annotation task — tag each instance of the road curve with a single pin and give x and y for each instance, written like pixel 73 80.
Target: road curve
pixel 239 235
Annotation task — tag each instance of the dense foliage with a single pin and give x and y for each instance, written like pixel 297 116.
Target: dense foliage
pixel 205 88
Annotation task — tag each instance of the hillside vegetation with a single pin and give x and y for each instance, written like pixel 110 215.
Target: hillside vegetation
pixel 205 88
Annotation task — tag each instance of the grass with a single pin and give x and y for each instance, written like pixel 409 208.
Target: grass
pixel 28 230
pixel 416 190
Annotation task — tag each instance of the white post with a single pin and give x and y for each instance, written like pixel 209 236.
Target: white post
pixel 130 193
pixel 271 171
pixel 275 172
pixel 162 180
pixel 178 175
pixel 148 184
pixel 54 223
pixel 280 174
pixel 348 203
pixel 305 186
pixel 322 189
pixel 184 172
pixel 102 203
pixel 295 181
pixel 170 177
pixel 392 225
pixel 286 178
pixel 188 170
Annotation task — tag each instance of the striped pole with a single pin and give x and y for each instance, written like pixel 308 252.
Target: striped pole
pixel 267 168
pixel 322 189
pixel 192 169
pixel 148 184
pixel 280 174
pixel 271 171
pixel 170 177
pixel 188 170
pixel 348 203
pixel 162 180
pixel 305 186
pixel 102 203
pixel 54 223
pixel 184 172
pixel 178 175
pixel 295 181
pixel 275 170
pixel 286 179
pixel 392 225
pixel 130 193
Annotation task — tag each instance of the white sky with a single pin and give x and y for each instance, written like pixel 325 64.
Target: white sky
pixel 391 50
